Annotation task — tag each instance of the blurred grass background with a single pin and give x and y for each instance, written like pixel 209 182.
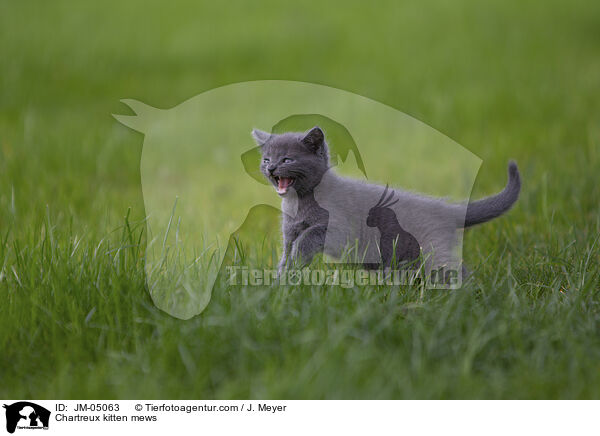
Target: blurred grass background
pixel 504 79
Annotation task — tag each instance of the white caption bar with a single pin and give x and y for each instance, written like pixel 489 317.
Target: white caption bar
pixel 300 417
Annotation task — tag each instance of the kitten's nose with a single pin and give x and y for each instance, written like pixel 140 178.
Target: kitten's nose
pixel 271 168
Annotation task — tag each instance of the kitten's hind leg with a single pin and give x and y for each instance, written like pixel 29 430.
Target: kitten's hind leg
pixel 310 242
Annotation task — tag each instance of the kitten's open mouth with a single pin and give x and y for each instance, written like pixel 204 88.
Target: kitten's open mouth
pixel 283 183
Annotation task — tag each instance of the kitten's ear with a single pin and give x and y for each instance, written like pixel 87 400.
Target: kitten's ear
pixel 260 137
pixel 314 139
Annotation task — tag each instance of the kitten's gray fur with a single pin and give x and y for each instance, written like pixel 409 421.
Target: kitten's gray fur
pixel 324 212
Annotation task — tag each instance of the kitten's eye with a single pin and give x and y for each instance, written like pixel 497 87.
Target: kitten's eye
pixel 266 160
pixel 287 160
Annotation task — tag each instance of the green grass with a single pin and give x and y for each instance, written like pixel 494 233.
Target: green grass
pixel 504 79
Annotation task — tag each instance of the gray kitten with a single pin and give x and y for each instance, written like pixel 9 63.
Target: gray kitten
pixel 325 212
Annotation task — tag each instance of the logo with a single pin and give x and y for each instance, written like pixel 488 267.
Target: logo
pixel 213 198
pixel 26 415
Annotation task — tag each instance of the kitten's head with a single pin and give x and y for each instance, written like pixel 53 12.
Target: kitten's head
pixel 296 160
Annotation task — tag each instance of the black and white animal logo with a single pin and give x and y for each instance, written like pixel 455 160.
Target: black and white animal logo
pixel 26 415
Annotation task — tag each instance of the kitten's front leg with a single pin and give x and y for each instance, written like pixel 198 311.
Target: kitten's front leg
pixel 285 255
pixel 310 242
pixel 288 238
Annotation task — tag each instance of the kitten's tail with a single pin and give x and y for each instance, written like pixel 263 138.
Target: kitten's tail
pixel 491 207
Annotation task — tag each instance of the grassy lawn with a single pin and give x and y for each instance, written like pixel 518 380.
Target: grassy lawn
pixel 505 79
